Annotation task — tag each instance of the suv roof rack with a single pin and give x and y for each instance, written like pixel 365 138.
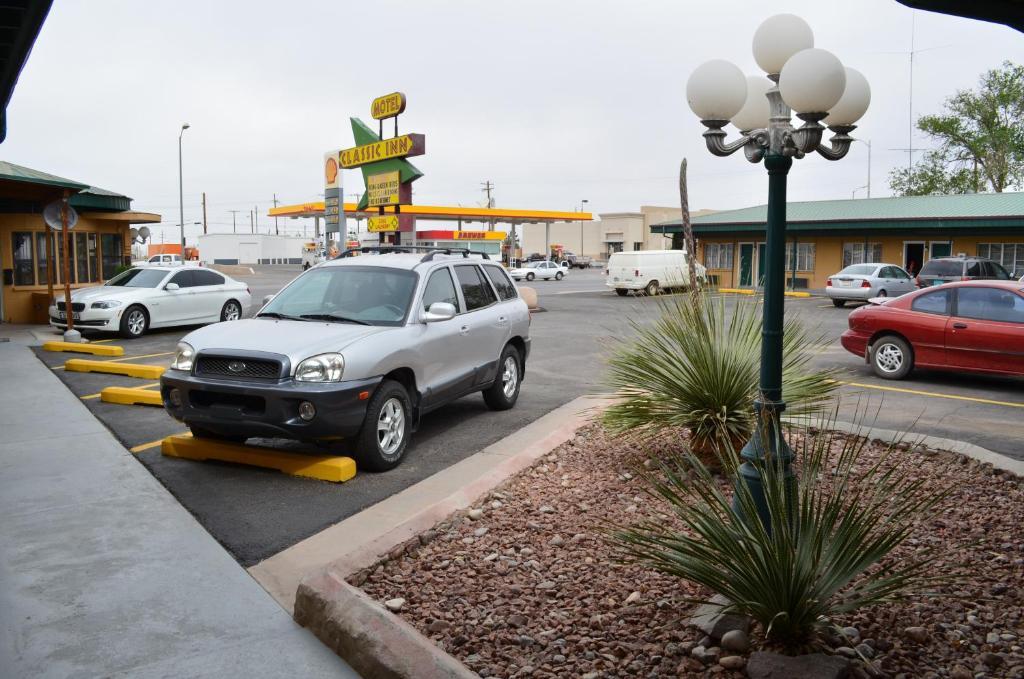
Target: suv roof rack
pixel 406 249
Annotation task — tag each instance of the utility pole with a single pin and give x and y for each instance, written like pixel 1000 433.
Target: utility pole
pixel 204 212
pixel 252 225
pixel 256 213
pixel 488 187
pixel 275 217
pixel 234 227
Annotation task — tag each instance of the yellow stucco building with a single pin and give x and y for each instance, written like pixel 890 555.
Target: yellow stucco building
pixel 99 244
pixel 822 237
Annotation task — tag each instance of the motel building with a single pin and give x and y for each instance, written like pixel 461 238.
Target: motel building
pixel 825 236
pixel 99 244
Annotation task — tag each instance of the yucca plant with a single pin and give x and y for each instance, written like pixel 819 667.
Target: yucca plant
pixel 825 550
pixel 697 367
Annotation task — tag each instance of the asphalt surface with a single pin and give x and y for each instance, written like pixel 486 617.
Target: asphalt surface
pixel 256 513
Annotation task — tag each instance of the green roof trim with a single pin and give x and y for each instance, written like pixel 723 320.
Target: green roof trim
pixel 20 23
pixel 971 211
pixel 18 173
pixel 85 197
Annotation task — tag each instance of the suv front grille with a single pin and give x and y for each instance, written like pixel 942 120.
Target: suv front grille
pixel 246 368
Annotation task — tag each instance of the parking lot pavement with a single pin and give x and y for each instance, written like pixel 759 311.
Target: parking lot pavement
pixel 256 513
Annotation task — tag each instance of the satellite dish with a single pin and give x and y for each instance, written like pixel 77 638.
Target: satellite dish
pixel 133 233
pixel 144 232
pixel 51 213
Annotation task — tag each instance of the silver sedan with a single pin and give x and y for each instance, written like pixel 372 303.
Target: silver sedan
pixel 861 282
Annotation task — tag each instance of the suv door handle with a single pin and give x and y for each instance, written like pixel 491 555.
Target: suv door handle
pixel 464 330
pixel 502 320
pixel 960 326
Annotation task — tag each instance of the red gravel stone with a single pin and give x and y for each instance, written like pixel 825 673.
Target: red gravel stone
pixel 513 602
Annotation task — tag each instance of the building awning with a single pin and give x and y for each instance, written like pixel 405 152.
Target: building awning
pixel 1008 12
pixel 129 216
pixel 23 189
pixel 442 213
pixel 20 23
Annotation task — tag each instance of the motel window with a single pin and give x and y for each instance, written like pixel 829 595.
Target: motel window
pixel 1009 255
pixel 637 247
pixel 718 255
pixel 24 271
pixel 804 256
pixel 110 251
pixel 860 253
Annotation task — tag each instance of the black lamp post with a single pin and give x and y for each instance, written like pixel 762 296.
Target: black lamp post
pixel 815 84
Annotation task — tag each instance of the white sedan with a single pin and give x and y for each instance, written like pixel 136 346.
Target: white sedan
pixel 530 270
pixel 154 297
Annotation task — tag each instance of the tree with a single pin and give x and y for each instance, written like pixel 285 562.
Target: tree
pixel 980 137
pixel 691 248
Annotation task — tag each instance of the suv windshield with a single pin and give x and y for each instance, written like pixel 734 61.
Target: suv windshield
pixel 859 270
pixel 138 278
pixel 942 267
pixel 356 294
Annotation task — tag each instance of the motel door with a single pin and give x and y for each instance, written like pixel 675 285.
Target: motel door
pixel 746 264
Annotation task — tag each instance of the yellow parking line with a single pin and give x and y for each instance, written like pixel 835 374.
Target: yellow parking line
pixel 152 444
pixel 100 341
pixel 916 392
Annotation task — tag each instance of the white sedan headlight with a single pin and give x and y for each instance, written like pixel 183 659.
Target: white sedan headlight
pixel 106 304
pixel 183 357
pixel 321 368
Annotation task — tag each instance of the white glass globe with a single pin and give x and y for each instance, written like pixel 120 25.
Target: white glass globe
pixel 756 111
pixel 716 90
pixel 812 81
pixel 778 38
pixel 854 102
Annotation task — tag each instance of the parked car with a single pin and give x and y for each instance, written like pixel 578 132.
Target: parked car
pixel 948 269
pixel 358 348
pixel 975 326
pixel 861 282
pixel 650 271
pixel 544 269
pixel 154 297
pixel 535 257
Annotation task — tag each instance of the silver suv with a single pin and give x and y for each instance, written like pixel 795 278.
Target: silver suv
pixel 357 348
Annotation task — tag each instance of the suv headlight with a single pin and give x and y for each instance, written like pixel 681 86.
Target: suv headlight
pixel 108 304
pixel 183 357
pixel 321 368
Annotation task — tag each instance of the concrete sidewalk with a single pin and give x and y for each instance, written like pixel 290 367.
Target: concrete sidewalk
pixel 103 573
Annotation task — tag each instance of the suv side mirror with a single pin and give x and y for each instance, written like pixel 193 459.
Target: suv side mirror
pixel 439 311
pixel 266 300
pixel 171 287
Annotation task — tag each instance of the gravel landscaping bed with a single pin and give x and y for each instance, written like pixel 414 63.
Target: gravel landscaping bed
pixel 524 585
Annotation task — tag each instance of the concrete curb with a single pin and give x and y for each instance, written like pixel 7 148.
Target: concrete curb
pixel 983 455
pixel 375 642
pixel 361 540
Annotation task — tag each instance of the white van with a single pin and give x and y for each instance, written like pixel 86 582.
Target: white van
pixel 650 271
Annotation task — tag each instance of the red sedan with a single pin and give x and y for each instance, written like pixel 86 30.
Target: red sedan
pixel 976 326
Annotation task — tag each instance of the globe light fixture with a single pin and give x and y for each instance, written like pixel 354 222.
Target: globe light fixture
pixel 815 84
pixel 716 90
pixel 778 38
pixel 755 111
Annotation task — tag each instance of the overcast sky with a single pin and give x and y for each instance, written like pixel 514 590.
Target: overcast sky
pixel 553 101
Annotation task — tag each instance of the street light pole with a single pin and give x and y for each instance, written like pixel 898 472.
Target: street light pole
pixel 181 194
pixel 579 253
pixel 820 88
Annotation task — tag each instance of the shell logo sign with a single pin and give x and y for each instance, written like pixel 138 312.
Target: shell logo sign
pixel 331 171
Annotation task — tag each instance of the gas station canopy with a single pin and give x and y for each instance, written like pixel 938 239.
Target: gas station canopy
pixel 463 215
